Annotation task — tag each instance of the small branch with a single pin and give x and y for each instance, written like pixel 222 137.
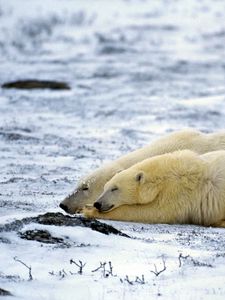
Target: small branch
pixel 128 280
pixel 29 268
pixel 102 266
pixel 156 272
pixel 62 273
pixel 140 280
pixel 51 273
pixel 105 273
pixel 81 265
pixel 181 256
pixel 110 268
pixel 195 262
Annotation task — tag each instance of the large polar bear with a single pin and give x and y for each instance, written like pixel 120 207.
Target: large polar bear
pixel 90 188
pixel 179 187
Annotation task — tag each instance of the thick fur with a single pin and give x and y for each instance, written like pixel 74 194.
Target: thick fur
pixel 181 187
pixel 90 188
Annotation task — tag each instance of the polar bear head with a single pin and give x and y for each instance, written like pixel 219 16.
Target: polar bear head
pixel 161 178
pixel 89 188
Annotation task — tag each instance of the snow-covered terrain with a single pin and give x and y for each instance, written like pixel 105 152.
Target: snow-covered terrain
pixel 137 69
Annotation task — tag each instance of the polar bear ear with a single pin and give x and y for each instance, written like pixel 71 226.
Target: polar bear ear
pixel 140 177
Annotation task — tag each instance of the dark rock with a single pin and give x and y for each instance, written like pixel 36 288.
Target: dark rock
pixel 42 236
pixel 36 84
pixel 4 240
pixel 14 136
pixel 58 219
pixel 4 292
pixel 13 226
pixel 64 220
pixel 14 278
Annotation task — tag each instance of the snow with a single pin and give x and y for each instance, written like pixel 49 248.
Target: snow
pixel 137 69
pixel 54 277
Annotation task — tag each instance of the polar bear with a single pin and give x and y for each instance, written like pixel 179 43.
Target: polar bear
pixel 180 187
pixel 90 188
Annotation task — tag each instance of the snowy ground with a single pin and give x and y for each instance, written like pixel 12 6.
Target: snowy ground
pixel 138 69
pixel 199 276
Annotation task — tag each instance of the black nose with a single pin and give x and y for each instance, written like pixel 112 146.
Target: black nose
pixel 97 205
pixel 63 206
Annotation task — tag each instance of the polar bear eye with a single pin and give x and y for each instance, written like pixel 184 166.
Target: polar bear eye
pixel 84 188
pixel 139 177
pixel 115 188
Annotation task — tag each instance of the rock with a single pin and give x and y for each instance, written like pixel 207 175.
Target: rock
pixel 4 292
pixel 14 136
pixel 36 84
pixel 42 236
pixel 59 219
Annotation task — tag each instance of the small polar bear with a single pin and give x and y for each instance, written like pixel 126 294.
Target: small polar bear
pixel 91 187
pixel 175 188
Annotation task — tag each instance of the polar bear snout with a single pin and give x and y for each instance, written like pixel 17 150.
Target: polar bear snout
pixel 64 207
pixel 102 207
pixel 98 205
pixel 107 200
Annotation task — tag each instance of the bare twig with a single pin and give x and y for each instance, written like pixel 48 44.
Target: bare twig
pixel 23 263
pixel 137 280
pixel 110 269
pixel 140 280
pixel 105 273
pixel 128 280
pixel 195 262
pixel 51 273
pixel 62 273
pixel 102 267
pixel 180 257
pixel 81 265
pixel 156 272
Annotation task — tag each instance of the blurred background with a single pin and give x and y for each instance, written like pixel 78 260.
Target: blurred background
pixel 136 70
